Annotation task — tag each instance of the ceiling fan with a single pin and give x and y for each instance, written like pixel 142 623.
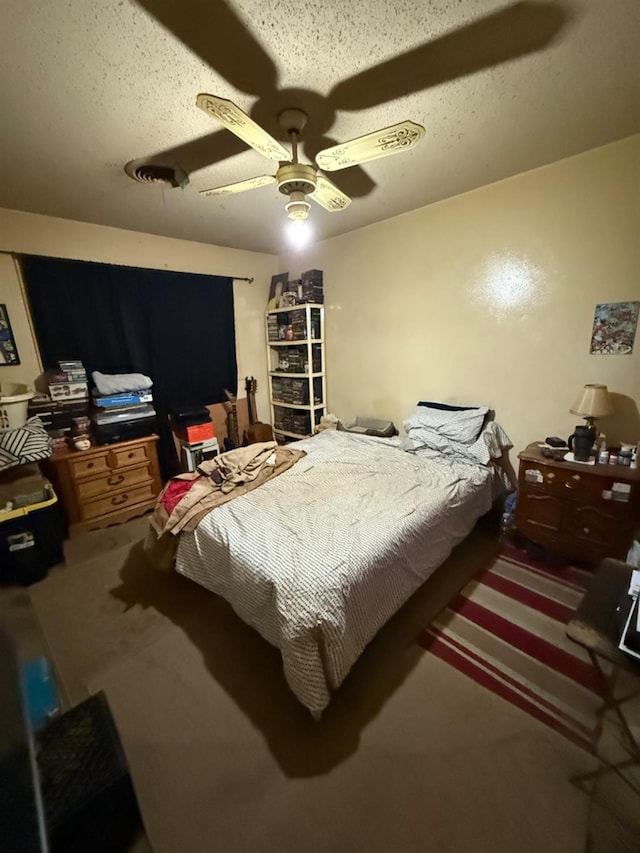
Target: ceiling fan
pixel 299 180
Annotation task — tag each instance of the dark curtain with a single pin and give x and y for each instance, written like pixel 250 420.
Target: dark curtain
pixel 178 328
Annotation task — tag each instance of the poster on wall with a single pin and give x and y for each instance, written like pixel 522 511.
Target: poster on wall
pixel 8 350
pixel 614 328
pixel 276 292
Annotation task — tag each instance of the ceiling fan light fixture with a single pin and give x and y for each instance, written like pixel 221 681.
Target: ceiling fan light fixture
pixel 298 207
pixel 299 233
pixel 296 177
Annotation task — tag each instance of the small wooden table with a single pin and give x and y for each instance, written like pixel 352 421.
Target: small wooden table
pixel 584 512
pixel 597 626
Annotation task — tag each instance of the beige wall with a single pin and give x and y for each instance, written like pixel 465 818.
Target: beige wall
pixel 489 298
pixel 61 238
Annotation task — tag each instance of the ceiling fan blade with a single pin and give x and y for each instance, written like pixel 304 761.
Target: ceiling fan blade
pixel 214 32
pixel 241 186
pixel 516 30
pixel 381 143
pixel 199 153
pixel 328 195
pixel 238 122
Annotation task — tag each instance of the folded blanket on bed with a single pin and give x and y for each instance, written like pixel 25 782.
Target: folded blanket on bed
pixel 187 498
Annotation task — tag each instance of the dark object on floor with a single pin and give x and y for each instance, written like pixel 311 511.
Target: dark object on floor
pixel 22 826
pixel 598 626
pixel 89 801
pixel 31 540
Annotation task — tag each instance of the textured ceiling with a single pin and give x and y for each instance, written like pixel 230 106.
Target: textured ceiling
pixel 88 86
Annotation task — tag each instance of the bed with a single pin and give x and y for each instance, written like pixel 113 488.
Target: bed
pixel 318 559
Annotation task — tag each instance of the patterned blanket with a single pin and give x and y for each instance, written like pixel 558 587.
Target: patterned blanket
pixel 28 443
pixel 318 559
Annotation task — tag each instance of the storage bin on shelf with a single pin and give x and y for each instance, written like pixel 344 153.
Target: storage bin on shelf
pixel 14 400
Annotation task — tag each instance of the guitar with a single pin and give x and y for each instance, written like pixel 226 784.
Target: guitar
pixel 256 431
pixel 233 438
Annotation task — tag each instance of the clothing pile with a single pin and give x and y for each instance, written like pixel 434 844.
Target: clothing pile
pixel 187 498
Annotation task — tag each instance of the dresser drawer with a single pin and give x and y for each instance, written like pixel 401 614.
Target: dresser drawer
pixel 561 482
pixel 118 501
pixel 118 458
pixel 112 482
pixel 94 464
pixel 108 460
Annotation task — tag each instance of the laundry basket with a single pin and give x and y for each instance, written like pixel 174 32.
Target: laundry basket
pixel 14 399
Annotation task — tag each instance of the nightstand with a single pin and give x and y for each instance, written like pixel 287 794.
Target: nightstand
pixel 584 512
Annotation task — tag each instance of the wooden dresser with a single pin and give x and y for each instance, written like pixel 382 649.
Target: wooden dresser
pixel 584 512
pixel 105 485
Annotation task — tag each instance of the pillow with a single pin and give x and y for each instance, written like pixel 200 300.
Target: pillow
pixel 462 426
pixel 445 407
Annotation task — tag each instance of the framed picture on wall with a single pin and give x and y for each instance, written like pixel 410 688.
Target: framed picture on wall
pixel 614 328
pixel 278 287
pixel 8 349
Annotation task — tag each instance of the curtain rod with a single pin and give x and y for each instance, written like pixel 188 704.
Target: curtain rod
pixel 250 279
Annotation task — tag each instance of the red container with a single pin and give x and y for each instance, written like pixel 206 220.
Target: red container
pixel 196 432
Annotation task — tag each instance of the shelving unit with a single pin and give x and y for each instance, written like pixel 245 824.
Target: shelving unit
pixel 297 382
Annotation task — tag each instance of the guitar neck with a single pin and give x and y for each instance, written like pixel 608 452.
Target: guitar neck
pixel 251 400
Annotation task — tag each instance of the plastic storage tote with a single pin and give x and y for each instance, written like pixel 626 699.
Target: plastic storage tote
pixel 14 400
pixel 31 540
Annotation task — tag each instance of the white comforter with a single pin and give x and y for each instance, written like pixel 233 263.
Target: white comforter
pixel 318 559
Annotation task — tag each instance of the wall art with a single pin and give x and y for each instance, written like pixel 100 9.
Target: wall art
pixel 614 328
pixel 8 349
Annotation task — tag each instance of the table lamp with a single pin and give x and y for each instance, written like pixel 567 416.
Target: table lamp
pixel 592 402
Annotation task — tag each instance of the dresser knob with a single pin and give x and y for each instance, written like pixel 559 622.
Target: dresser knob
pixel 586 530
pixel 550 475
pixel 576 477
pixel 89 464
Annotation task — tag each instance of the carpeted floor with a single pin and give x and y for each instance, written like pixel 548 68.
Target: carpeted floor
pixel 411 754
pixel 507 630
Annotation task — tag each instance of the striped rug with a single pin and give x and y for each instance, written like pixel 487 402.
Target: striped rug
pixel 506 630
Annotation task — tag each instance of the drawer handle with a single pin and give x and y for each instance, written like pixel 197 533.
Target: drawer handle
pixel 115 481
pixel 119 500
pixel 550 476
pixel 131 454
pixel 89 464
pixel 586 530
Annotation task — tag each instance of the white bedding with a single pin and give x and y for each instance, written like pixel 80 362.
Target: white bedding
pixel 318 559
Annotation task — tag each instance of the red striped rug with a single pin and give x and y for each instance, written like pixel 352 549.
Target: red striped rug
pixel 506 630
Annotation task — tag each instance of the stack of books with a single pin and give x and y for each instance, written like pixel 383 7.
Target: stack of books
pixel 65 404
pixel 120 417
pixel 312 286
pixel 69 382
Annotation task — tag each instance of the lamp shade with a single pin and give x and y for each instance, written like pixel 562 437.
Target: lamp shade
pixel 593 402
